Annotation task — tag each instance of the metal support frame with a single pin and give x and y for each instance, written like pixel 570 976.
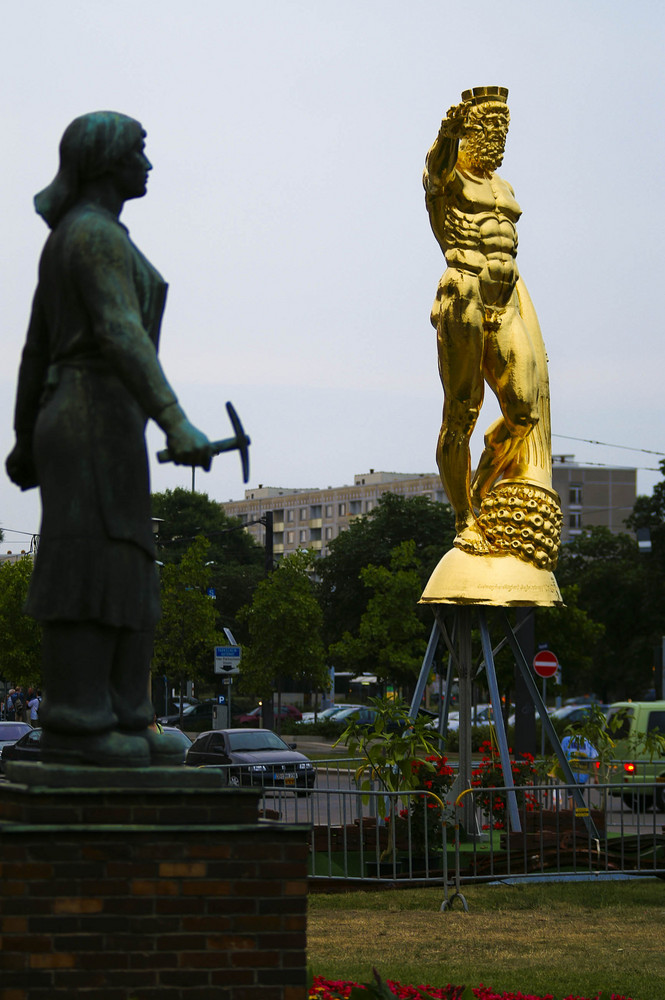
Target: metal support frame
pixel 458 643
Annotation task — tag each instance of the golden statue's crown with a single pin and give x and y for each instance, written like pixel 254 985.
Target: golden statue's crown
pixel 478 95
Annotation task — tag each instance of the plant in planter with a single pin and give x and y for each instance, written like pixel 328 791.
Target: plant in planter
pixel 489 775
pixel 419 824
pixel 389 748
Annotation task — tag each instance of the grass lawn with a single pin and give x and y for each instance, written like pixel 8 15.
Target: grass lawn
pixel 558 937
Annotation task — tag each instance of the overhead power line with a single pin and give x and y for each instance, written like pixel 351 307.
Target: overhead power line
pixel 624 447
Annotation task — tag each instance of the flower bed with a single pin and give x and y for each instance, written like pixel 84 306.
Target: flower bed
pixel 327 989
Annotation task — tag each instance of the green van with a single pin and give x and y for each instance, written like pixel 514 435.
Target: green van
pixel 629 724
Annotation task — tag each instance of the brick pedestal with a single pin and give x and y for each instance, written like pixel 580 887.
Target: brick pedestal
pixel 161 884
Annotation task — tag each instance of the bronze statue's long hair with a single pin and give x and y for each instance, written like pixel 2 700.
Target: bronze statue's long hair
pixel 89 148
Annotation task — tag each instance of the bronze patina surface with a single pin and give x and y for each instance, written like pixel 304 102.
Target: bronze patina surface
pixel 89 379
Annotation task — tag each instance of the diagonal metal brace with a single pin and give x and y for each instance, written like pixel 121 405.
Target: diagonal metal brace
pixel 520 660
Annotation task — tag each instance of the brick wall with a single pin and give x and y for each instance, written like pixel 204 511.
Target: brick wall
pixel 123 910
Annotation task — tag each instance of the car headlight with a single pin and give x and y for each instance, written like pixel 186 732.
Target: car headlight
pixel 306 766
pixel 258 767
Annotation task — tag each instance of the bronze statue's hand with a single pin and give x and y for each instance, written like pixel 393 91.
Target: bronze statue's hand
pixel 20 465
pixel 188 445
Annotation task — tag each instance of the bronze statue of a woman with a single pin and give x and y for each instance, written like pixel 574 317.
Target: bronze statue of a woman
pixel 89 379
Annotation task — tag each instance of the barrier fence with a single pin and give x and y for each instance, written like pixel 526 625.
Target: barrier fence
pixel 421 838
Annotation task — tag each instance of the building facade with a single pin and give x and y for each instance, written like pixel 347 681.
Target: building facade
pixel 312 518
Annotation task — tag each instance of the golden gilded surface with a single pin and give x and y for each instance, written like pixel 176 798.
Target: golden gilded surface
pixel 488 334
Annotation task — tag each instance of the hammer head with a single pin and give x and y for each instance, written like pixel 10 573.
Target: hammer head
pixel 243 441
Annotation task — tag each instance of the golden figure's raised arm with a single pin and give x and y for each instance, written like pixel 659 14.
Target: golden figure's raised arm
pixel 442 157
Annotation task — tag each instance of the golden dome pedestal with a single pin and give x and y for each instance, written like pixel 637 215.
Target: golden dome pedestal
pixel 494 579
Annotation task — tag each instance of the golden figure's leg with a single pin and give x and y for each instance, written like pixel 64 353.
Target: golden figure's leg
pixel 511 370
pixel 460 349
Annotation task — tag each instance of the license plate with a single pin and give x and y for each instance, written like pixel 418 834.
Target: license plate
pixel 289 779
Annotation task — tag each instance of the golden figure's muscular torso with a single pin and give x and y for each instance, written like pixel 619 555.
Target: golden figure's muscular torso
pixel 474 221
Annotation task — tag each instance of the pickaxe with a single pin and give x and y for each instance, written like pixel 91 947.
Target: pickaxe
pixel 238 443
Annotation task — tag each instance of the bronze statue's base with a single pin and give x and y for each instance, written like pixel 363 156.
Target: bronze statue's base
pixel 496 580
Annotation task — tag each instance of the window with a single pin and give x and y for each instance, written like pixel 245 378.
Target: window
pixel 329 533
pixel 302 514
pixel 575 495
pixel 355 507
pixel 329 510
pixel 290 515
pixel 290 537
pixel 315 511
pixel 575 522
pixel 341 510
pixel 302 534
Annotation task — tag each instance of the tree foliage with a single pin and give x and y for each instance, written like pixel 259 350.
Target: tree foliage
pixel 391 636
pixel 574 636
pixel 237 562
pixel 370 540
pixel 284 623
pixel 186 634
pixel 21 635
pixel 615 587
pixel 649 512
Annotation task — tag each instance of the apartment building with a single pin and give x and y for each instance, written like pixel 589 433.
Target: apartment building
pixel 311 518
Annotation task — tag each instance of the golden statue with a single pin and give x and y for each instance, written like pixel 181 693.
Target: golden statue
pixel 487 331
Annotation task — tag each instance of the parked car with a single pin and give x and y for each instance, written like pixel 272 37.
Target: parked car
pixel 184 738
pixel 360 714
pixel 578 712
pixel 192 715
pixel 625 721
pixel 325 713
pixel 253 757
pixel 28 747
pixel 10 732
pixel 254 717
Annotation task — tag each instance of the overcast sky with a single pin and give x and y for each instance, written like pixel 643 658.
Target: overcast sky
pixel 286 211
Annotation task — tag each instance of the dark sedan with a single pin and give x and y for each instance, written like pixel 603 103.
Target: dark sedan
pixel 27 748
pixel 253 757
pixel 192 716
pixel 11 732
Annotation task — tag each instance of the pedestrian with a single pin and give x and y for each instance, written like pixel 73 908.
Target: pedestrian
pixel 10 710
pixel 33 707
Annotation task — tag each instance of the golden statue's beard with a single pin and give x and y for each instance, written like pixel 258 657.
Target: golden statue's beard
pixel 484 152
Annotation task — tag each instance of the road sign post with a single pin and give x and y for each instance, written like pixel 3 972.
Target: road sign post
pixel 545 664
pixel 227 660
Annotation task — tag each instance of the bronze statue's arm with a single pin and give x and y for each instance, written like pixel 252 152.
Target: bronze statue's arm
pixel 31 379
pixel 101 260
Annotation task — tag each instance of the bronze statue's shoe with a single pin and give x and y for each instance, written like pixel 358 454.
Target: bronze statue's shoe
pixel 111 749
pixel 166 749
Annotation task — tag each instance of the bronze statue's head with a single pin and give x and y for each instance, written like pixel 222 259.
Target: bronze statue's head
pixel 91 146
pixel 486 126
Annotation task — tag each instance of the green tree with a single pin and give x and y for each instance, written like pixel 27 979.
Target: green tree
pixel 616 589
pixel 237 562
pixel 186 634
pixel 649 512
pixel 284 624
pixel 370 540
pixel 20 635
pixel 391 636
pixel 574 636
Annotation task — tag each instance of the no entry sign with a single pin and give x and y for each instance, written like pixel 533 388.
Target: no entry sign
pixel 545 663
